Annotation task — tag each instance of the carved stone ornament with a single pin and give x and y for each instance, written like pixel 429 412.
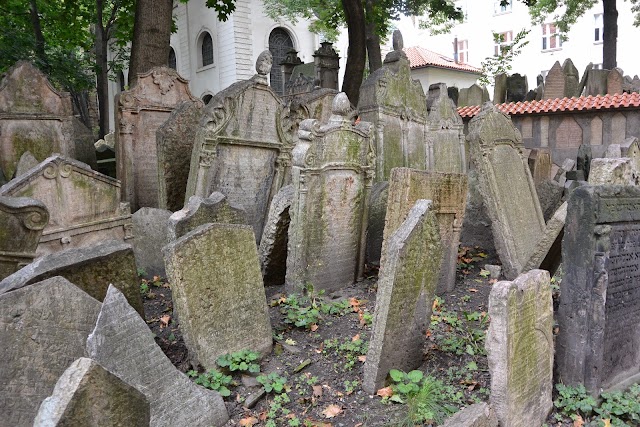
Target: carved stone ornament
pixel 164 81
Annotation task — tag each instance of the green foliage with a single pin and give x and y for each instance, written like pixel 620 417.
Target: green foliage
pixel 574 400
pixel 304 311
pixel 405 384
pixel 277 410
pixel 351 350
pixel 242 361
pixel 502 63
pixel 144 289
pixel 213 380
pixel 273 383
pixel 620 408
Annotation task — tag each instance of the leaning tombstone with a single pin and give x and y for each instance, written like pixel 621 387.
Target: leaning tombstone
pixel 123 344
pixel 583 161
pixel 598 344
pixel 333 168
pixel 273 244
pixel 520 349
pixel 571 79
pixel 539 165
pixel 43 327
pixel 547 253
pixel 517 88
pixel 583 80
pixel 500 88
pixel 445 136
pixel 554 83
pixel 218 292
pixel 476 415
pixel 406 288
pixel 86 393
pixel 150 229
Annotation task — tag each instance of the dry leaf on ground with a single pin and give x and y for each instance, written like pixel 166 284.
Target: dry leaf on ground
pixel 164 321
pixel 248 421
pixel 331 411
pixel 385 392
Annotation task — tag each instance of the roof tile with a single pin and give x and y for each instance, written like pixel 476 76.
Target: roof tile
pixel 420 57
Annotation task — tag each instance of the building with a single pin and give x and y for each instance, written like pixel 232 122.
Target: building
pixel 430 67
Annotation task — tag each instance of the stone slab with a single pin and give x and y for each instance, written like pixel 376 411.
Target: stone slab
pixel 547 254
pixel 618 171
pixel 476 415
pixel 150 231
pixel 275 237
pixel 445 136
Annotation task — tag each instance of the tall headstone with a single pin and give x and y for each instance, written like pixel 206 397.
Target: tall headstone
pixel 555 83
pixel 406 288
pixel 375 222
pixel 507 187
pixel 520 349
pixel 332 175
pixel 150 229
pixel 540 165
pixel 571 79
pixel 463 97
pixel 327 65
pixel 43 328
pixel 445 136
pixel 583 161
pixel 596 83
pixel 275 237
pixel 227 314
pixel 614 82
pixel 123 344
pixel 583 80
pixel 395 104
pixel 140 112
pixel 517 88
pixel 500 88
pixel 87 394
pixel 599 340
pixel 475 95
pixel 84 205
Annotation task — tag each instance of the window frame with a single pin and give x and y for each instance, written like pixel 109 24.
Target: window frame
pixel 548 37
pixel 507 40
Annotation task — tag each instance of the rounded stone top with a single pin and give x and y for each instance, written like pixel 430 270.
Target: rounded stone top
pixel 398 42
pixel 341 105
pixel 264 62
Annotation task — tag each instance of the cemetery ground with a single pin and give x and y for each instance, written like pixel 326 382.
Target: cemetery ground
pixel 315 370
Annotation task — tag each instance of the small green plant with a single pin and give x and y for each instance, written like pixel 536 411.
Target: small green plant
pixel 213 380
pixel 622 408
pixel 573 401
pixel 351 350
pixel 141 272
pixel 243 361
pixel 144 289
pixel 300 311
pixel 433 402
pixel 405 384
pixel 351 386
pixel 273 383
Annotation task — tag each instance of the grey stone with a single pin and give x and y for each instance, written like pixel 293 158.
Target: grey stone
pixel 476 228
pixel 87 394
pixel 517 88
pixel 547 254
pixel 91 269
pixel 519 347
pixel 550 195
pixel 218 292
pixel 596 83
pixel 583 162
pixel 476 415
pixel 583 80
pixel 375 222
pixel 406 287
pixel 613 151
pixel 43 328
pixel 539 165
pixel 475 95
pixel 275 238
pixel 576 175
pixel 620 171
pixel 453 94
pixel 445 136
pixel 150 229
pixel 123 344
pixel 614 82
pixel 26 162
pixel 494 270
pixel 500 88
pixel 572 79
pixel 554 83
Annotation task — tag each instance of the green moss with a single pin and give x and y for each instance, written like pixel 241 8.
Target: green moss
pixel 41 146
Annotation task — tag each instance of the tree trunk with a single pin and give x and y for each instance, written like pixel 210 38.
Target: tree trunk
pixel 151 37
pixel 356 53
pixel 609 34
pixel 37 31
pixel 102 77
pixel 373 39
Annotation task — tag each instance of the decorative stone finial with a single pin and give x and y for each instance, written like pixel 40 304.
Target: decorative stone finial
pixel 264 62
pixel 398 43
pixel 341 105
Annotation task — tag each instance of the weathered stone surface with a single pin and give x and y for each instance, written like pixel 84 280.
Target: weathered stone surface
pixel 507 187
pixel 445 136
pixel 87 394
pixel 150 230
pixel 43 328
pixel 613 151
pixel 476 228
pixel 476 96
pixel 599 340
pixel 275 237
pixel 620 171
pixel 123 344
pixel 614 82
pixel 214 209
pixel 175 139
pixel 540 165
pixel 500 88
pixel 91 269
pixel 406 288
pixel 84 205
pixel 517 88
pixel 520 349
pixel 476 415
pixel 571 79
pixel 21 223
pixel 448 195
pixel 630 148
pixel 554 83
pixel 375 223
pixel 596 83
pixel 332 176
pixel 550 197
pixel 583 162
pixel 218 292
pixel 547 254
pixel 26 162
pixel 583 80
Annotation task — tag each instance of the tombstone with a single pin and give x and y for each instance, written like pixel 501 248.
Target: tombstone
pixel 227 314
pixel 583 161
pixel 596 83
pixel 500 88
pixel 327 65
pixel 453 94
pixel 550 195
pixel 599 341
pixel 214 209
pixel 43 328
pixel 547 253
pixel 517 88
pixel 434 92
pixel 448 195
pixel 243 146
pixel 618 171
pixel 539 165
pixel 150 229
pixel 26 162
pixel 290 61
pixel 555 83
pixel 91 269
pixel 519 347
pixel 175 139
pixel 613 151
pixel 571 79
pixel 507 187
pixel 87 394
pixel 375 222
pixel 332 176
pixel 311 105
pixel 445 136
pixel 140 112
pixel 395 104
pixel 37 118
pixel 630 148
pixel 463 97
pixel 583 80
pixel 21 223
pixel 84 205
pixel 614 82
pixel 476 415
pixel 275 237
pixel 475 95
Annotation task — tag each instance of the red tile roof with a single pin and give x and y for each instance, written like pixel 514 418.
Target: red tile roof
pixel 420 57
pixel 583 103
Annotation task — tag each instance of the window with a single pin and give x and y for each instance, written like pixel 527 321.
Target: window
pixel 598 27
pixel 463 51
pixel 172 59
pixel 279 44
pixel 504 39
pixel 498 8
pixel 551 37
pixel 207 50
pixel 597 66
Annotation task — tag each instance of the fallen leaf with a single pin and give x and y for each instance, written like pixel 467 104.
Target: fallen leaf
pixel 354 303
pixel 317 391
pixel 262 416
pixel 358 425
pixel 164 321
pixel 362 358
pixel 492 281
pixel 290 341
pixel 578 422
pixel 248 421
pixel 314 327
pixel 314 423
pixel 385 392
pixel 331 411
pixel 473 290
pixel 607 422
pixel 356 337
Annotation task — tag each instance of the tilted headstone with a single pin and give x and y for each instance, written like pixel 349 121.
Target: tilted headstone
pixel 123 344
pixel 500 88
pixel 547 253
pixel 571 79
pixel 43 328
pixel 517 88
pixel 26 162
pixel 583 161
pixel 519 347
pixel 507 187
pixel 214 209
pixel 583 80
pixel 37 118
pixel 596 83
pixel 243 145
pixel 445 136
pixel 21 223
pixel 618 171
pixel 140 112
pixel 150 229
pixel 476 415
pixel 539 165
pixel 375 222
pixel 396 105
pixel 614 82
pixel 448 195
pixel 175 139
pixel 631 149
pixel 87 394
pixel 91 269
pixel 598 344
pixel 311 105
pixel 406 288
pixel 554 83
pixel 84 205
pixel 332 176
pixel 273 244
pixel 218 292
